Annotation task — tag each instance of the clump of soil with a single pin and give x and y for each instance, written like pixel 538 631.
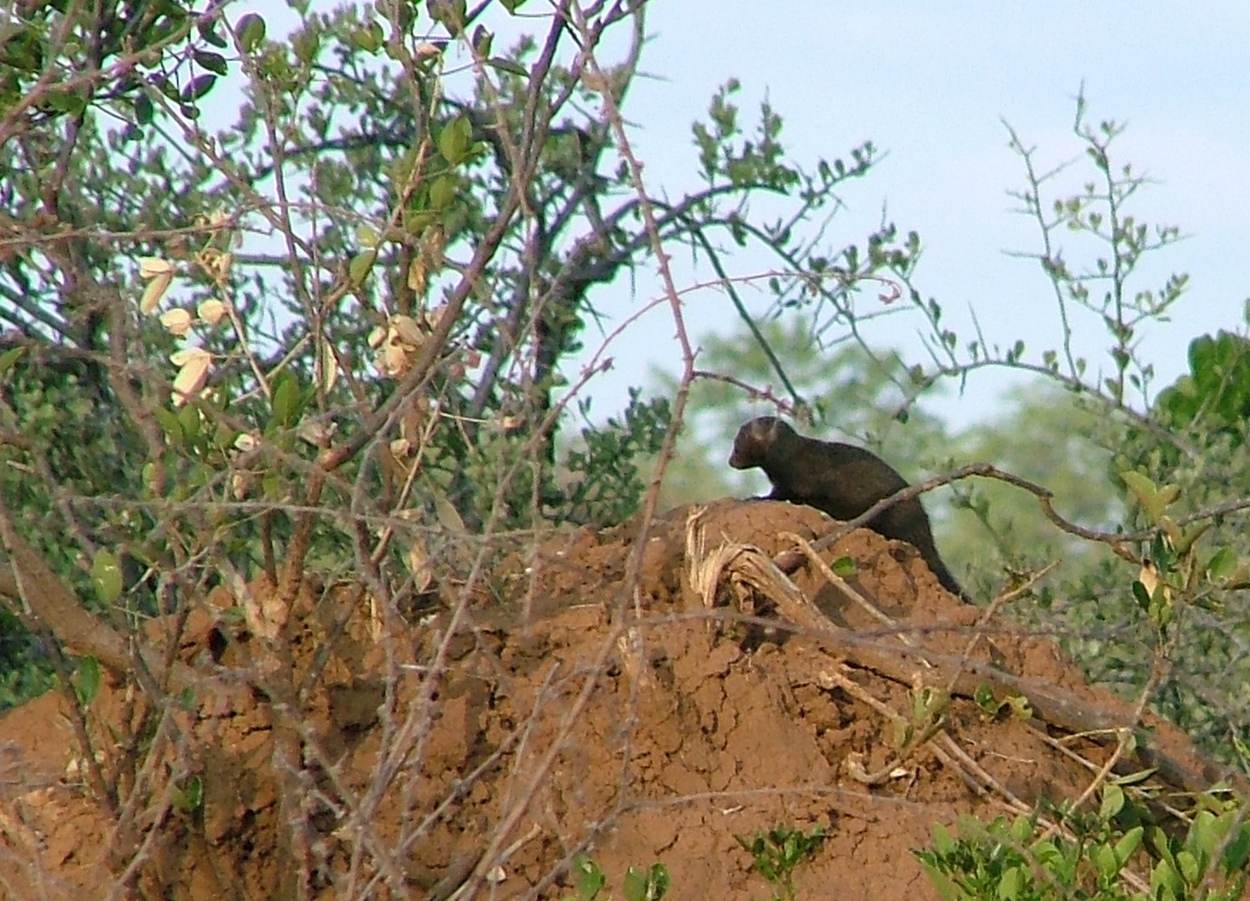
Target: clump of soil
pixel 560 709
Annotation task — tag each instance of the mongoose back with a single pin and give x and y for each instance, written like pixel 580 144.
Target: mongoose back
pixel 840 479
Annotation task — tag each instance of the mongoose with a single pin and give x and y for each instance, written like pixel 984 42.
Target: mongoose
pixel 840 479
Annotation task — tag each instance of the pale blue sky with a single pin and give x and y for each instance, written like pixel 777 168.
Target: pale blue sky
pixel 930 83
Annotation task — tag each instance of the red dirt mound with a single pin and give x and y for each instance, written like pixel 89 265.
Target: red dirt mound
pixel 559 708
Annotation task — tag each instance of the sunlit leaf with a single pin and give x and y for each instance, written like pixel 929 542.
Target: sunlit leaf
pixel 176 321
pixel 193 363
pixel 153 293
pixel 106 576
pixel 211 311
pixel 360 265
pixel 150 267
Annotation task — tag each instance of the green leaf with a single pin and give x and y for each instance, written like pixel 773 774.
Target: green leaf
pixel 983 696
pixel 1144 489
pixel 1021 707
pixel 168 421
pixel 213 62
pixel 87 681
pixel 442 192
pixel 634 885
pixel 286 402
pixel 454 139
pixel 1128 844
pixel 8 359
pixel 844 566
pixel 1184 539
pixel 306 45
pixel 1237 851
pixel 69 102
pixel 448 517
pixel 1106 862
pixel 1221 565
pixel 1134 778
pixel 507 65
pixel 148 475
pixel 1165 880
pixel 1047 854
pixel 1187 864
pixel 190 419
pixel 1021 829
pixel 482 39
pixel 1010 885
pixel 1206 833
pixel 106 576
pixel 199 86
pixel 250 30
pixel 942 884
pixel 1112 801
pixel 942 839
pixel 588 879
pixel 188 798
pixel 657 881
pixel 22 50
pixel 144 109
pixel 369 38
pixel 360 265
pixel 451 14
pixel 208 31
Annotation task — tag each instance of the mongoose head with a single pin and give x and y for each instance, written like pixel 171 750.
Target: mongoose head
pixel 755 441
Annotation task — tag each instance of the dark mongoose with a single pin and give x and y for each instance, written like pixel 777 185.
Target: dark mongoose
pixel 840 479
